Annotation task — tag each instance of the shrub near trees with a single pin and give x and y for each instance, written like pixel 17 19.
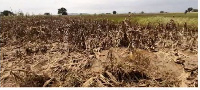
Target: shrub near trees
pixel 20 14
pixel 195 10
pixel 186 11
pixel 46 13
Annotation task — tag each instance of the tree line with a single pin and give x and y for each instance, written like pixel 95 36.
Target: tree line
pixel 63 11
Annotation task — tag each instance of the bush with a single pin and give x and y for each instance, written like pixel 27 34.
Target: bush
pixel 162 12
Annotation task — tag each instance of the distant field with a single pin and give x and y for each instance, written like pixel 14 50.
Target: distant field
pixel 143 19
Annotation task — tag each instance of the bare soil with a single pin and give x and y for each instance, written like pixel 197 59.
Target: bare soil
pixel 116 67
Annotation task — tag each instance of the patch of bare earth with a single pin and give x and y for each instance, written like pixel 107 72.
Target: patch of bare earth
pixel 116 67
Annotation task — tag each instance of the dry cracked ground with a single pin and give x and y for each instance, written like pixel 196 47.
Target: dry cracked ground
pixel 53 66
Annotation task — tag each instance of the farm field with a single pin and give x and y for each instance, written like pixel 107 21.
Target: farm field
pixel 138 50
pixel 154 18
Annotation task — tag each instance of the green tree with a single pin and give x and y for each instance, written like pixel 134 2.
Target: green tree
pixel 114 12
pixel 62 11
pixel 162 12
pixel 142 12
pixel 190 9
pixel 7 13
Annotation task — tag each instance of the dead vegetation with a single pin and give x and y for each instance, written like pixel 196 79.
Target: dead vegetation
pixel 77 52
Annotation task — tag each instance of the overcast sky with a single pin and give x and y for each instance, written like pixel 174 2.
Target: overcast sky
pixel 97 6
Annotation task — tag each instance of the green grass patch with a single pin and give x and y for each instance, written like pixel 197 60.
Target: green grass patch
pixel 143 19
